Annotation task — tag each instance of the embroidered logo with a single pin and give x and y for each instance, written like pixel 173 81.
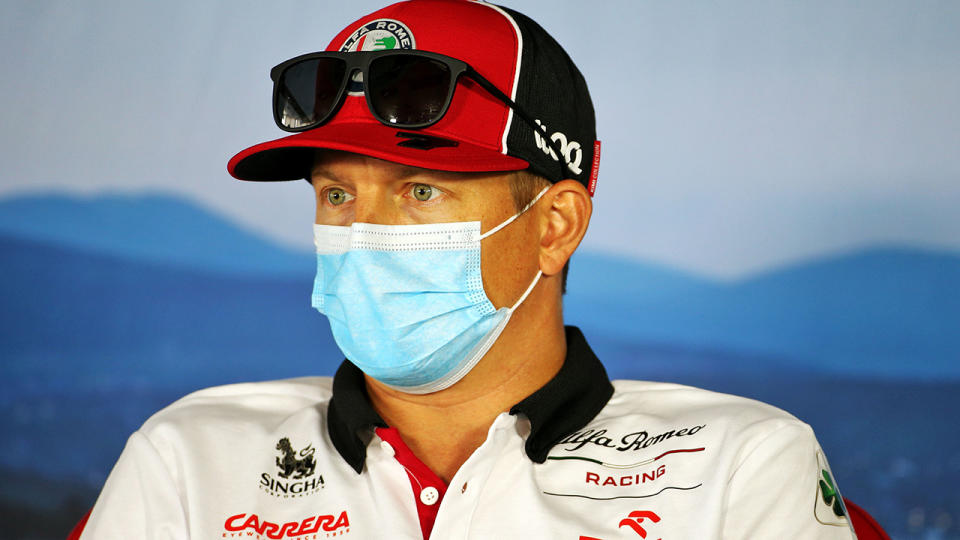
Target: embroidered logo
pixel 634 521
pixel 378 35
pixel 831 497
pixel 630 442
pixel 828 506
pixel 571 150
pixel 321 526
pixel 605 481
pixel 296 475
pixel 626 480
pixel 289 463
pixel 635 518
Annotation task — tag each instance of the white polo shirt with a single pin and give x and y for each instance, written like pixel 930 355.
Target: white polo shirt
pixel 581 458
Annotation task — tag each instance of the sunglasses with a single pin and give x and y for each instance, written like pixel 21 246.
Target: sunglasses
pixel 406 89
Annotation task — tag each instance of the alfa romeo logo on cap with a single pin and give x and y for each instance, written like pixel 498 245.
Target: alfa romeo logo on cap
pixel 380 35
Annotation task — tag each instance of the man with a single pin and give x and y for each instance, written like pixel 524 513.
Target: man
pixel 451 149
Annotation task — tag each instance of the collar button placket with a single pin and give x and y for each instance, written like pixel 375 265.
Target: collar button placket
pixel 459 505
pixel 567 403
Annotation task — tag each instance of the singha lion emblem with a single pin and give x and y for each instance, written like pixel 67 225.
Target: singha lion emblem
pixel 290 463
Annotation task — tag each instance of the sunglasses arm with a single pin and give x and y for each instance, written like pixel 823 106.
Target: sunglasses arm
pixel 489 87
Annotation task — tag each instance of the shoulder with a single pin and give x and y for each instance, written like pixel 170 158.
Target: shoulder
pixel 201 450
pixel 680 401
pixel 643 415
pixel 241 407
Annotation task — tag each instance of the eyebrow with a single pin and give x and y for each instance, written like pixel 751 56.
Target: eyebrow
pixel 326 173
pixel 406 172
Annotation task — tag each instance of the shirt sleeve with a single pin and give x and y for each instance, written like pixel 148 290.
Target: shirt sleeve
pixel 139 499
pixel 783 488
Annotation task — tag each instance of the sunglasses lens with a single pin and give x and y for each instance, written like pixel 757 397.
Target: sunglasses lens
pixel 307 92
pixel 408 90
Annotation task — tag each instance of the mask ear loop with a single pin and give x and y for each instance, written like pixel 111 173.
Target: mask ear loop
pixel 515 216
pixel 509 221
pixel 528 291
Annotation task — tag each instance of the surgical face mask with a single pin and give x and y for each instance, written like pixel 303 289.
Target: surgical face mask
pixel 406 302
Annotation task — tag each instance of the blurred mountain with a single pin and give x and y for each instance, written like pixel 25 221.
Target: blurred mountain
pixel 73 317
pixel 879 312
pixel 163 229
pixel 604 277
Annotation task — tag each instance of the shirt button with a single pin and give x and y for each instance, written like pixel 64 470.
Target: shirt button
pixel 387 449
pixel 429 496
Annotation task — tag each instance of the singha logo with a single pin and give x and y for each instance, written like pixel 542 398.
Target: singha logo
pixel 296 477
pixel 301 467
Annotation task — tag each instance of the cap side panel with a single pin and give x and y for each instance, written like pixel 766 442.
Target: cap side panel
pixel 516 73
pixel 552 90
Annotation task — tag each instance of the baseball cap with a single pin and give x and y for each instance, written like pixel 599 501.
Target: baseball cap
pixel 478 132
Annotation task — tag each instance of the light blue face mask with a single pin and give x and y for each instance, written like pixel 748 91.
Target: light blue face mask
pixel 406 302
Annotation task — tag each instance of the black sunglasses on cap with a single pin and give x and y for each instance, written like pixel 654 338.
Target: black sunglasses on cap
pixel 406 89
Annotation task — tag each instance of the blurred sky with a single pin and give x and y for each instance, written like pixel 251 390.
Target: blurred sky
pixel 737 135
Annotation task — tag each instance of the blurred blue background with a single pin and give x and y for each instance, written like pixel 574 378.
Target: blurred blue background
pixel 776 217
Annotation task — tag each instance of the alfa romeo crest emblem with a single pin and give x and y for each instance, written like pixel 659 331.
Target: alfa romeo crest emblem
pixel 379 35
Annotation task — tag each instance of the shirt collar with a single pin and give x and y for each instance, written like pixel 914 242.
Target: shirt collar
pixel 570 400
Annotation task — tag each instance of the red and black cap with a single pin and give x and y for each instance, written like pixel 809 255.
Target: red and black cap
pixel 478 132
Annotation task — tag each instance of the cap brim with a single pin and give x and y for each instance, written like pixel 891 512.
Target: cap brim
pixel 292 157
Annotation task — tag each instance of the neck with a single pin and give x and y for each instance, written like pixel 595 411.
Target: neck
pixel 444 428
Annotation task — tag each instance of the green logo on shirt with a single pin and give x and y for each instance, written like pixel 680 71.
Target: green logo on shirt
pixel 831 497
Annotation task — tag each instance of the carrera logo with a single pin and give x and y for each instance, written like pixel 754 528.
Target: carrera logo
pixel 296 472
pixel 248 525
pixel 571 150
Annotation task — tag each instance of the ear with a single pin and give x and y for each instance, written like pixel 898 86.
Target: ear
pixel 563 225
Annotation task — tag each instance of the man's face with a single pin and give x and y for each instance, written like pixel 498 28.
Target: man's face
pixel 352 188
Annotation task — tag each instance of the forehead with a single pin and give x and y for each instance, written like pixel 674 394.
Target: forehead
pixel 335 165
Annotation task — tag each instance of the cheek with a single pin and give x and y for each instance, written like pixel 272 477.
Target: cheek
pixel 509 261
